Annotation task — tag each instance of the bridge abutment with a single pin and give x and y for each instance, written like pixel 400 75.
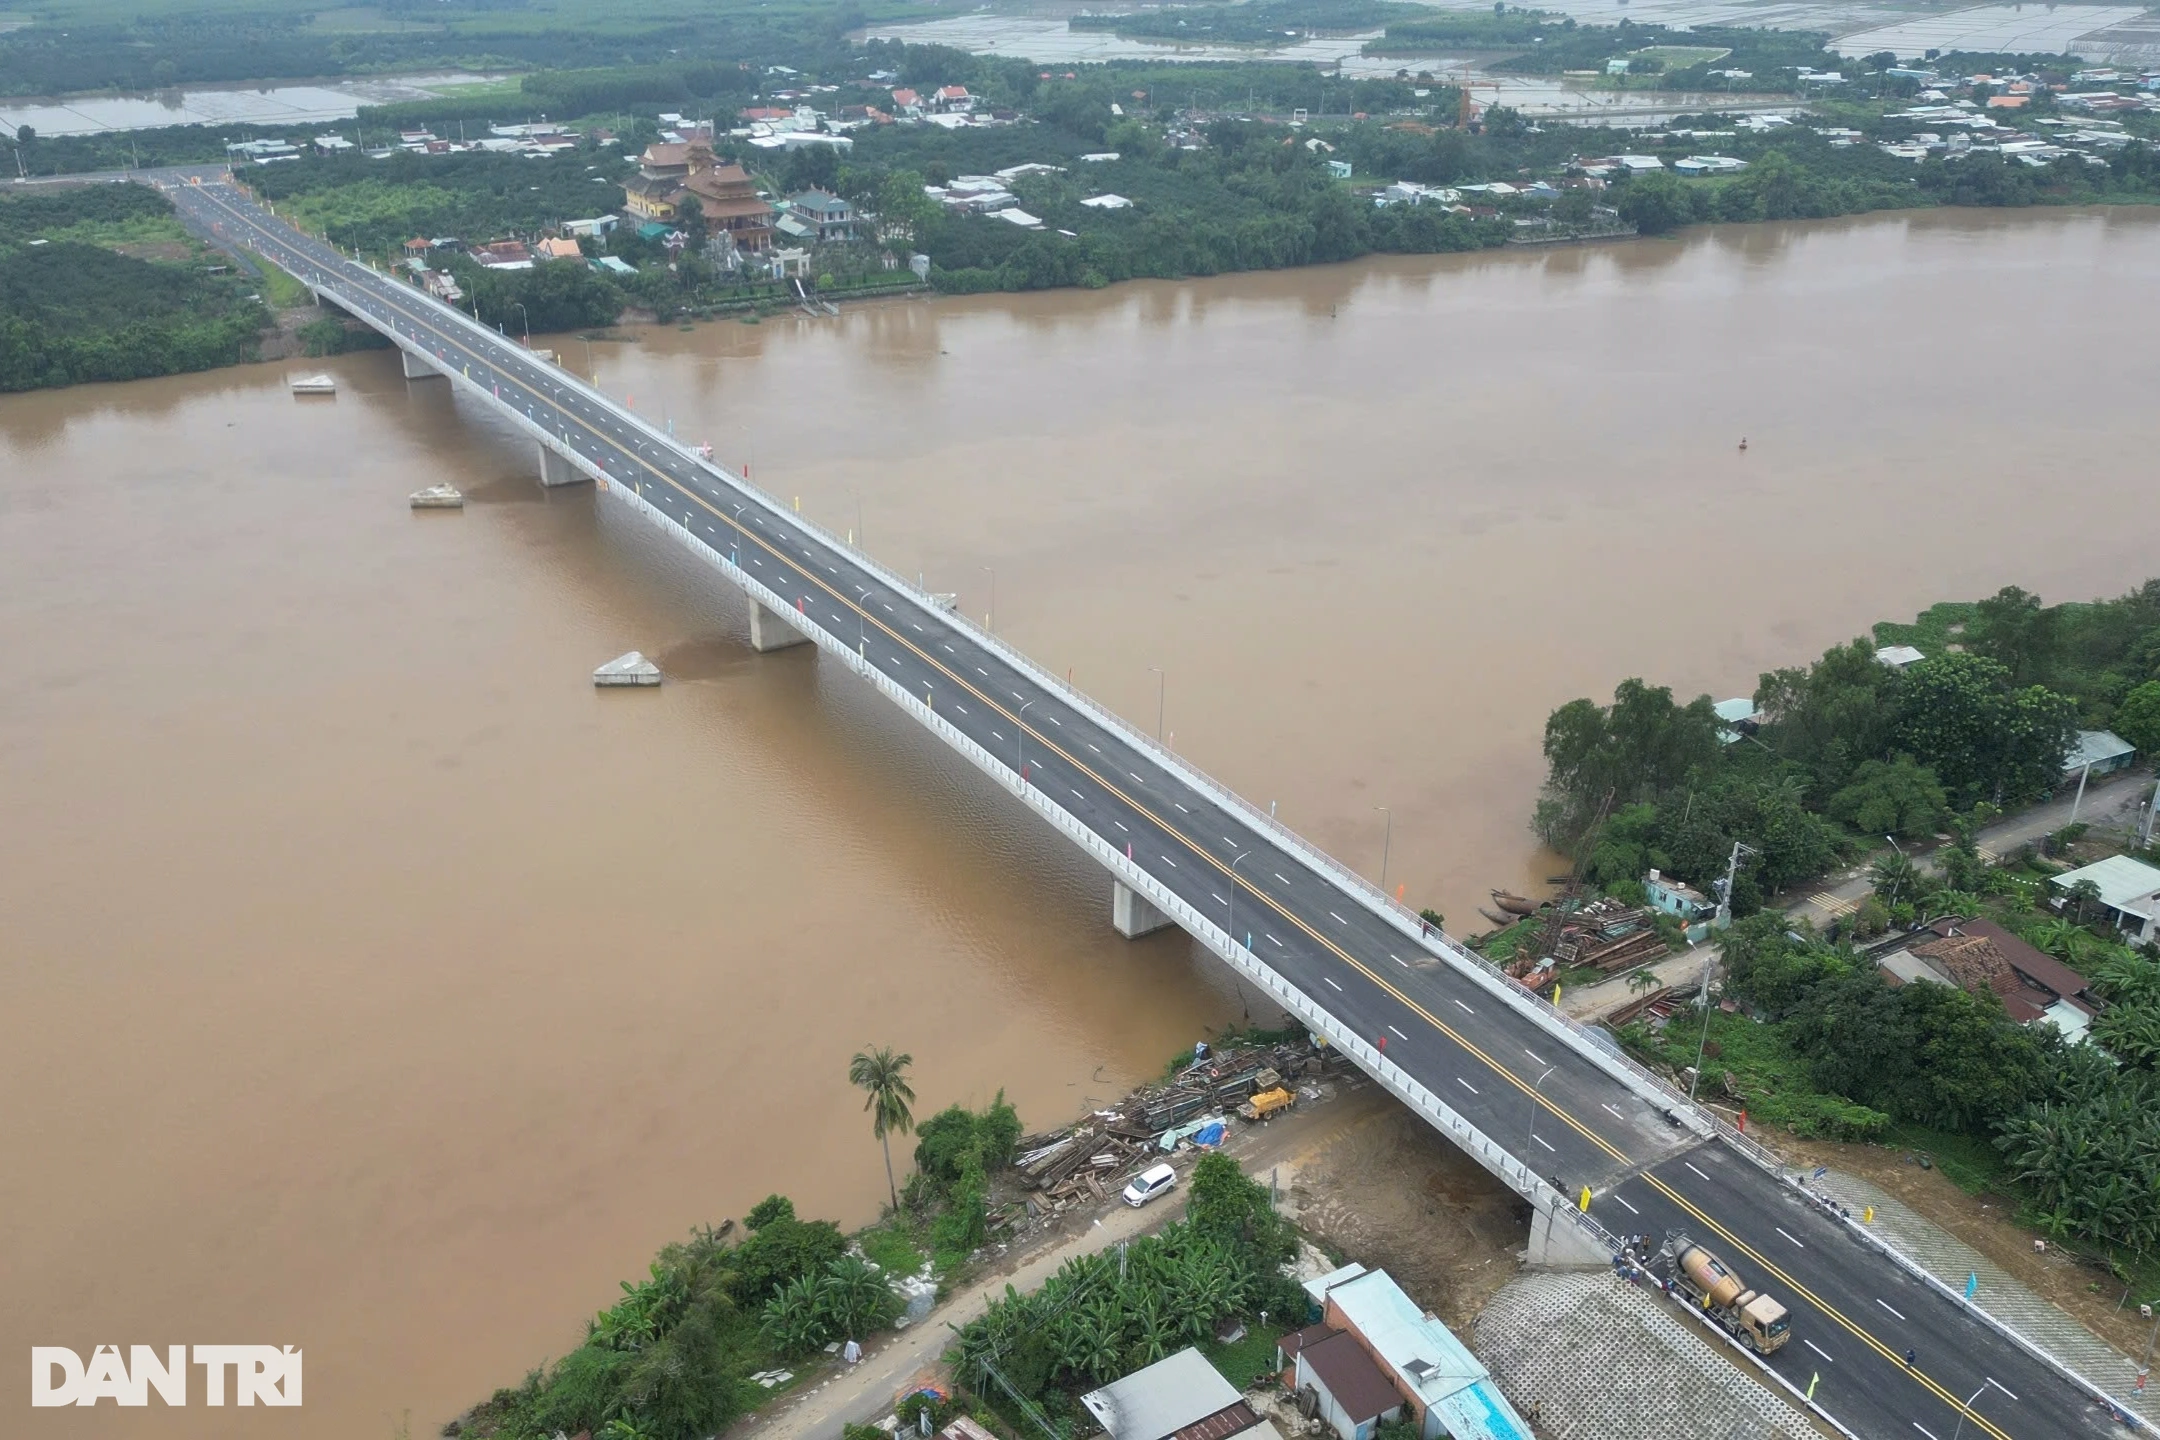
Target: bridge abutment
pixel 556 469
pixel 769 632
pixel 1558 1243
pixel 415 367
pixel 1132 915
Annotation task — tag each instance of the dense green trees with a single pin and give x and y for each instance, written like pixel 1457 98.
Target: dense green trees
pixel 1984 720
pixel 71 312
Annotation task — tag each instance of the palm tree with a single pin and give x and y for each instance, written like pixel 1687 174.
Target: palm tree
pixel 884 1076
pixel 1643 979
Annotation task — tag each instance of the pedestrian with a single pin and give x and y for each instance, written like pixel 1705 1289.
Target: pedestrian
pixel 1909 1357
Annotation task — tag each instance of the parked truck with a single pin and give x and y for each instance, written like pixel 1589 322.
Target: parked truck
pixel 1749 1316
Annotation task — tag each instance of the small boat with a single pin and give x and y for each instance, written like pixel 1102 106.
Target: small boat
pixel 1514 904
pixel 313 385
pixel 1499 922
pixel 438 497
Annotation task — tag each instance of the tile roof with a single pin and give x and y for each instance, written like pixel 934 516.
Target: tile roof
pixel 1352 1376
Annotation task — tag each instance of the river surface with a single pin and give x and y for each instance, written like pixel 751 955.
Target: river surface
pixel 372 984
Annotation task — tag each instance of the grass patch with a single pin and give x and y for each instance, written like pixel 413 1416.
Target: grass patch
pixel 1933 630
pixel 1239 1361
pixel 481 89
pixel 280 290
pixel 891 1248
pixel 1679 57
pixel 1771 1082
pixel 1967 1161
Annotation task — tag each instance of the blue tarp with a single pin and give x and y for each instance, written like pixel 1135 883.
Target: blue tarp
pixel 1210 1137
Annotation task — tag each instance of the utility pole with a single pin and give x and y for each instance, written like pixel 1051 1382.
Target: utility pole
pixel 2152 814
pixel 1724 918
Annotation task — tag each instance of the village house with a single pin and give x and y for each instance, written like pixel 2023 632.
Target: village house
pixel 558 249
pixel 1695 910
pixel 1980 957
pixel 2129 894
pixel 827 217
pixel 1375 1356
pixel 2096 753
pixel 1180 1397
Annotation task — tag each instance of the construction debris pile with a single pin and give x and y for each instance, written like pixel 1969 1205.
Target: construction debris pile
pixel 1089 1160
pixel 1603 935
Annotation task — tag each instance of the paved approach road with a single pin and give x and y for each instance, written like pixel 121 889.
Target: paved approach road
pixel 1854 1315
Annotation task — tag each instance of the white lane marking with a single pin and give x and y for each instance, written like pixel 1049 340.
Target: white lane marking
pixel 1691 1165
pixel 1181 808
pixel 1923 1430
pixel 918 628
pixel 982 672
pixel 1136 778
pixel 1272 940
pixel 1218 899
pixel 1092 746
pixel 1818 1350
pixel 1120 825
pixel 1465 1008
pixel 1615 1113
pixel 1466 1084
pixel 2002 1387
pixel 1788 1235
pixel 949 650
pixel 1533 1055
pixel 1400 961
pixel 888 606
pixel 1627 1207
pixel 1170 862
pixel 1888 1306
pixel 1330 980
pixel 1397 1033
pixel 1338 919
pixel 995 735
pixel 1282 877
pixel 1057 722
pixel 1076 794
pixel 1543 1141
pixel 961 708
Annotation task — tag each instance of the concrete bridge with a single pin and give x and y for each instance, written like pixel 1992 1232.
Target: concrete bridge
pixel 1593 1144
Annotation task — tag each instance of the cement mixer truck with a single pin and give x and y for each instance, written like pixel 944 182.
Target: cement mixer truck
pixel 1749 1316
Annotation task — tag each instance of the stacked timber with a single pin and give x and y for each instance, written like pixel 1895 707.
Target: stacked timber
pixel 1606 936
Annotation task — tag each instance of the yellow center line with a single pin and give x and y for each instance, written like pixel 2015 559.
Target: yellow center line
pixel 1864 1336
pixel 846 602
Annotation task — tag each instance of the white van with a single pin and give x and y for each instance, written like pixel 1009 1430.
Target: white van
pixel 1148 1184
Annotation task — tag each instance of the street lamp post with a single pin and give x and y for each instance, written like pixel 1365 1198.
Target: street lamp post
pixel 1530 1133
pixel 990 618
pixel 1020 740
pixel 1894 879
pixel 1972 1399
pixel 1230 906
pixel 1162 688
pixel 1387 842
pixel 862 611
pixel 526 316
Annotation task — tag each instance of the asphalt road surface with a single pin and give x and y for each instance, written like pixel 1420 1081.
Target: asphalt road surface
pixel 1854 1315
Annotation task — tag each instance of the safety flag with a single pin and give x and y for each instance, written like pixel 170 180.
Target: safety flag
pixel 1811 1382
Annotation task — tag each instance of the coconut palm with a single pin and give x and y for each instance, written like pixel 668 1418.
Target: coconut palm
pixel 883 1075
pixel 1643 979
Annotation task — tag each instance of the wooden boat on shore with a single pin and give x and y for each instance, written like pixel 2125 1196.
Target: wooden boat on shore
pixel 1514 904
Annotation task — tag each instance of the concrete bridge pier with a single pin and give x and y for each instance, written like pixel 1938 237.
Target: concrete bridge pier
pixel 415 367
pixel 1132 915
pixel 770 632
pixel 556 469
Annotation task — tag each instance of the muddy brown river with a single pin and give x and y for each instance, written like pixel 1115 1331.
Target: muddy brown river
pixel 370 983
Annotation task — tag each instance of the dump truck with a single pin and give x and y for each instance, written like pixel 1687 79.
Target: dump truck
pixel 1268 1102
pixel 1749 1316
